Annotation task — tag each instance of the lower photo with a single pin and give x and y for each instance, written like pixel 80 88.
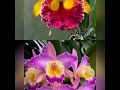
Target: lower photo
pixel 60 65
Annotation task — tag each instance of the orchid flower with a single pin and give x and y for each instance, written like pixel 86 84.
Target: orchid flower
pixel 84 69
pixel 62 14
pixel 48 66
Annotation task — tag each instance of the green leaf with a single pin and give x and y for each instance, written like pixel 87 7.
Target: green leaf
pixel 85 23
pixel 56 44
pixel 91 52
pixel 93 60
pixel 86 43
pixel 89 33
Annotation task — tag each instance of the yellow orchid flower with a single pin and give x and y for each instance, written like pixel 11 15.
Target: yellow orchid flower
pixel 37 7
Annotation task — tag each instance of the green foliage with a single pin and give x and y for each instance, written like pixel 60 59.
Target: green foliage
pixel 88 25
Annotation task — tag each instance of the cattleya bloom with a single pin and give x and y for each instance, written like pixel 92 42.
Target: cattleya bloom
pixel 46 66
pixel 84 69
pixel 62 14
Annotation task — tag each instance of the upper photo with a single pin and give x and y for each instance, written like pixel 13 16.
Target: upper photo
pixel 59 19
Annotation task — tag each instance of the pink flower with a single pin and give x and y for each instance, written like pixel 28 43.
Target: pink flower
pixel 62 14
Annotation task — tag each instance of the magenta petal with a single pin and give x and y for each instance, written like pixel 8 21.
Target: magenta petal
pixel 51 50
pixel 86 86
pixel 44 88
pixel 92 81
pixel 55 79
pixel 29 65
pixel 32 87
pixel 41 60
pixel 65 87
pixel 66 59
pixel 84 61
pixel 76 82
pixel 44 49
pixel 75 64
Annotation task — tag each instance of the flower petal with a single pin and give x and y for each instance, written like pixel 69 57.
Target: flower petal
pixel 53 79
pixel 25 81
pixel 87 8
pixel 41 60
pixel 84 61
pixel 68 73
pixel 86 86
pixel 55 4
pixel 75 64
pixel 41 77
pixel 44 88
pixel 63 19
pixel 33 52
pixel 44 49
pixel 65 87
pixel 76 82
pixel 55 85
pixel 32 87
pixel 67 59
pixel 37 8
pixel 92 81
pixel 44 82
pixel 51 50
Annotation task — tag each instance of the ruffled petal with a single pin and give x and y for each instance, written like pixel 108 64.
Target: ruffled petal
pixel 41 60
pixel 65 87
pixel 92 81
pixel 64 18
pixel 51 50
pixel 55 79
pixel 67 59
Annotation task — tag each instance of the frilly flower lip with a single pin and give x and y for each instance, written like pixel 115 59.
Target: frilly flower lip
pixel 55 71
pixel 84 70
pixel 62 14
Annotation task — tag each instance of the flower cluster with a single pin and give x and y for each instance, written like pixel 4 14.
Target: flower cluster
pixel 62 14
pixel 50 71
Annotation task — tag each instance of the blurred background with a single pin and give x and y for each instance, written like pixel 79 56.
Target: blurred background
pixel 28 27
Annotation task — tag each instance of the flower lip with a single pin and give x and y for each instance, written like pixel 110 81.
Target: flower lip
pixel 54 71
